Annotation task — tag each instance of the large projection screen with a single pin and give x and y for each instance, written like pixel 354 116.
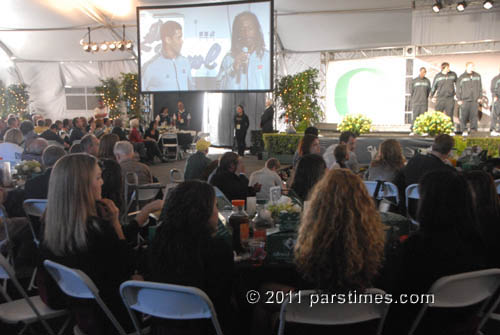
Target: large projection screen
pixel 217 47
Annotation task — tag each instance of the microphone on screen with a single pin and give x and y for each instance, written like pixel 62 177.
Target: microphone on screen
pixel 244 66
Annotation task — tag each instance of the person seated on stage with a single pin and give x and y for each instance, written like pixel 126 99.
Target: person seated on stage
pixel 40 127
pixel 184 251
pixel 198 162
pixel 77 132
pixel 311 131
pixel 33 151
pixel 151 145
pixel 51 134
pixel 11 149
pixel 310 169
pixel 90 144
pixel 124 153
pixel 28 131
pixel 487 206
pixel 106 146
pixel 389 162
pixel 82 231
pixel 267 177
pixel 230 179
pixel 447 243
pixel 341 157
pixel 348 138
pixel 309 144
pixel 38 187
pixel 118 129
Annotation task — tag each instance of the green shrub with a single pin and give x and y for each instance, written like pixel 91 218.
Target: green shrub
pixel 281 144
pixel 486 143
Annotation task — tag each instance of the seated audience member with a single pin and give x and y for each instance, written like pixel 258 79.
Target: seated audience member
pixel 59 125
pixel 421 164
pixel 90 144
pixel 40 127
pixel 341 157
pixel 11 149
pixel 48 123
pixel 38 187
pixel 106 146
pixel 82 230
pixel 113 187
pixel 185 252
pixel 151 146
pixel 348 138
pixel 309 144
pixel 124 153
pixel 65 130
pixel 389 162
pixel 118 129
pixel 76 133
pixel 488 211
pixel 51 134
pixel 84 123
pixel 28 131
pixel 107 125
pixel 152 132
pixel 76 148
pixel 267 177
pixel 91 126
pixel 99 128
pixel 309 171
pixel 33 151
pixel 230 179
pixel 309 131
pixel 198 162
pixel 11 123
pixel 447 243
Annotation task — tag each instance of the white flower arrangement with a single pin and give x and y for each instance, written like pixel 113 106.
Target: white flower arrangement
pixel 27 168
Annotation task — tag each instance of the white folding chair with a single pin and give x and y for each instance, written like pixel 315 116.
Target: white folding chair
pixel 167 301
pixel 462 290
pixel 27 310
pixel 5 243
pixel 34 208
pixel 497 185
pixel 140 193
pixel 411 192
pixel 222 201
pixel 77 284
pixel 388 190
pixel 176 176
pixel 332 313
pixel 170 145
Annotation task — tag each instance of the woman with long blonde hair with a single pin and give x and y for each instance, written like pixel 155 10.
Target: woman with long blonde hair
pixel 389 161
pixel 341 239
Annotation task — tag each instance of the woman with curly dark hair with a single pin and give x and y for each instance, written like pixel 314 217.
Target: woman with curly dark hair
pixel 185 252
pixel 340 245
pixel 309 170
pixel 389 161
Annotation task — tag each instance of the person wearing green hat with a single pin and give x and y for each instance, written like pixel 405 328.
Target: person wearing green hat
pixel 198 162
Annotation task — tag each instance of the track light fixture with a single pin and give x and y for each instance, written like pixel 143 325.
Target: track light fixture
pixel 106 45
pixel 488 4
pixel 437 7
pixel 461 6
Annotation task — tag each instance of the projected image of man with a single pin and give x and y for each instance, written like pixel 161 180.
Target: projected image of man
pixel 420 89
pixel 169 70
pixel 247 65
pixel 444 89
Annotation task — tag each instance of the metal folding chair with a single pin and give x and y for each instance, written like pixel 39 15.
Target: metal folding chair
pixel 388 190
pixel 34 208
pixel 77 284
pixel 332 313
pixel 167 301
pixel 462 290
pixel 170 145
pixel 176 176
pixel 27 310
pixel 411 192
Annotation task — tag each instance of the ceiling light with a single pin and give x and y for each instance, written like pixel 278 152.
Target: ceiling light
pixel 461 6
pixel 104 47
pixel 488 4
pixel 129 45
pixel 86 47
pixel 94 47
pixel 437 7
pixel 120 45
pixel 112 46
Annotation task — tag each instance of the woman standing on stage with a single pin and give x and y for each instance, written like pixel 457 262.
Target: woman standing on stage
pixel 241 124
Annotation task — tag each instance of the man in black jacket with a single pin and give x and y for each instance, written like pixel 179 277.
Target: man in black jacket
pixel 266 121
pixel 469 93
pixel 241 124
pixel 495 109
pixel 420 90
pixel 444 89
pixel 38 187
pixel 77 131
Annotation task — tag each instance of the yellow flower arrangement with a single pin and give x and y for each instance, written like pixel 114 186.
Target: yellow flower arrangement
pixel 357 123
pixel 433 123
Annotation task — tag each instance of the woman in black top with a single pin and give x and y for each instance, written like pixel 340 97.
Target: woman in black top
pixel 185 252
pixel 241 124
pixel 152 131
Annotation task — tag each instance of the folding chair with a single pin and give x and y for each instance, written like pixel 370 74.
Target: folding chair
pixel 27 310
pixel 170 145
pixel 77 284
pixel 176 176
pixel 411 192
pixel 497 185
pixel 34 208
pixel 139 193
pixel 5 243
pixel 388 190
pixel 332 313
pixel 167 301
pixel 222 200
pixel 462 290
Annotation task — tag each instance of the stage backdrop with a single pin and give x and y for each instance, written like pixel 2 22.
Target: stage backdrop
pixel 372 87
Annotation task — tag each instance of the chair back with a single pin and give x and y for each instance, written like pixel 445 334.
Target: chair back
pixel 176 176
pixel 462 290
pixel 167 301
pixel 77 284
pixel 34 208
pixel 497 185
pixel 411 192
pixel 222 200
pixel 6 239
pixel 388 190
pixel 307 309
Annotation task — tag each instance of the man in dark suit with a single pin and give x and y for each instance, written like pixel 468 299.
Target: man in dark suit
pixel 266 121
pixel 38 187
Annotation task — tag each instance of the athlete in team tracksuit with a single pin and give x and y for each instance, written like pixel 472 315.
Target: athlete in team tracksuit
pixel 420 89
pixel 444 89
pixel 469 93
pixel 495 110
